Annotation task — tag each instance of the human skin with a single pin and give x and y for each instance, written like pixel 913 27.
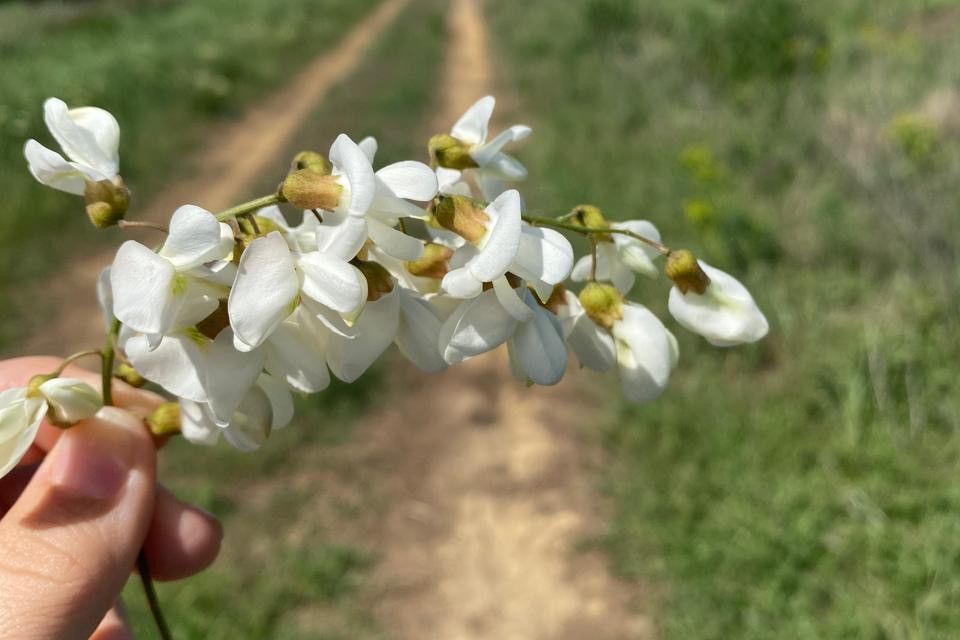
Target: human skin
pixel 77 510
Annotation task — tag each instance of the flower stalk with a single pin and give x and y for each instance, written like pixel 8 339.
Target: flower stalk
pixel 559 224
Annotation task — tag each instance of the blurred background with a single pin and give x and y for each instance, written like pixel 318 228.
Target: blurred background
pixel 803 487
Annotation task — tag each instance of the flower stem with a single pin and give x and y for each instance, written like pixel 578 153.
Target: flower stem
pixel 73 357
pixel 593 263
pixel 143 568
pixel 550 222
pixel 139 224
pixel 109 353
pixel 250 206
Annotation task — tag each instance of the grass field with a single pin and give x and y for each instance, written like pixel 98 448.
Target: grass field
pixel 804 487
pixel 156 66
pixel 291 566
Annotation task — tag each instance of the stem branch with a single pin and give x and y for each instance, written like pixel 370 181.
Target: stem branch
pixel 250 206
pixel 143 568
pixel 550 222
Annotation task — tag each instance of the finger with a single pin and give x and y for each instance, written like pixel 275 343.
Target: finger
pixel 114 625
pixel 183 539
pixel 69 541
pixel 16 372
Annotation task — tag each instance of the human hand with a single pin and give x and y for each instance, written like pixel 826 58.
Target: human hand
pixel 76 512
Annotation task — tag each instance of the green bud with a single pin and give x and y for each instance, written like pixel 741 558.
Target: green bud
pixel 311 161
pixel 107 202
pixel 462 215
pixel 433 262
pixel 603 303
pixel 590 216
pixel 683 268
pixel 379 280
pixel 165 419
pixel 33 386
pixel 308 189
pixel 450 153
pixel 128 374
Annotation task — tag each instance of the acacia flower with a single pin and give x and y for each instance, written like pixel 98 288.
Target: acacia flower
pixel 537 351
pixel 90 138
pixel 724 312
pixel 149 289
pixel 620 256
pixel 467 147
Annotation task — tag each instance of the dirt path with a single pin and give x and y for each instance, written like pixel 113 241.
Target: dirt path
pixel 488 482
pixel 221 173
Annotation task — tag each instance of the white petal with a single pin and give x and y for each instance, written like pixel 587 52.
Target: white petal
pixel 485 153
pixel 369 147
pixel 178 364
pixel 395 243
pixel 265 291
pixel 418 332
pixel 409 179
pixel 143 286
pixel 281 402
pixel 105 296
pixel 341 235
pixel 51 169
pixel 195 425
pixel 544 254
pixel 637 255
pixel 323 320
pixel 461 283
pixel 294 354
pixel 645 353
pixel 450 182
pixel 252 422
pixel 593 345
pixel 229 376
pixel 388 208
pixel 508 297
pixel 374 330
pixel 353 163
pixel 195 237
pixel 505 167
pixel 726 314
pixel 70 399
pixel 476 326
pixel 472 125
pixel 332 282
pixel 538 347
pixel 502 241
pixel 87 135
pixel 20 418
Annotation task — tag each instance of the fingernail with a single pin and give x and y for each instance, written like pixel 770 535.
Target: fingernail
pixel 93 459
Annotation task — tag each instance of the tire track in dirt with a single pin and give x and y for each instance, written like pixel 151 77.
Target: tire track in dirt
pixel 222 172
pixel 488 482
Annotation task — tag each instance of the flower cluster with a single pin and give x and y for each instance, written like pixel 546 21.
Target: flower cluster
pixel 233 312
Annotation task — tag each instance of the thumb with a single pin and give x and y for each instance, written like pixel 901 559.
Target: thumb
pixel 69 542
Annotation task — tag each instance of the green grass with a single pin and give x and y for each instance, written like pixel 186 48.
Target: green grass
pixel 294 562
pixel 804 487
pixel 166 70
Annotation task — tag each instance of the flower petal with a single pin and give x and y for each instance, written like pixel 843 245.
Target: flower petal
pixel 511 301
pixel 195 425
pixel 484 154
pixel 251 424
pixel 475 326
pixel 417 333
pixel 355 166
pixel 295 355
pixel 265 290
pixel 87 135
pixel 410 179
pixel 369 147
pixel 538 347
pixel 341 235
pixel 332 282
pixel 645 353
pixel 543 254
pixel 637 255
pixel 196 237
pixel 143 289
pixel 394 242
pixel 178 364
pixel 52 169
pixel 472 125
pixel 281 402
pixel 374 330
pixel 229 375
pixel 503 239
pixel 20 418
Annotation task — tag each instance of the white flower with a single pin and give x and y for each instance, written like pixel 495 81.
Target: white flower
pixel 271 279
pixel 90 138
pixel 266 407
pixel 489 256
pixel 725 314
pixel 544 259
pixel 537 351
pixel 475 326
pixel 71 400
pixel 150 289
pixel 494 166
pixel 20 417
pixel 399 317
pixel 644 350
pixel 619 260
pixel 393 186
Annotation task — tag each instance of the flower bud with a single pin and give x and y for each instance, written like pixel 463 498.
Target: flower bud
pixel 683 269
pixel 128 374
pixel 107 202
pixel 450 153
pixel 33 386
pixel 462 215
pixel 602 303
pixel 70 400
pixel 379 280
pixel 311 161
pixel 254 226
pixel 165 419
pixel 308 189
pixel 433 262
pixel 588 215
